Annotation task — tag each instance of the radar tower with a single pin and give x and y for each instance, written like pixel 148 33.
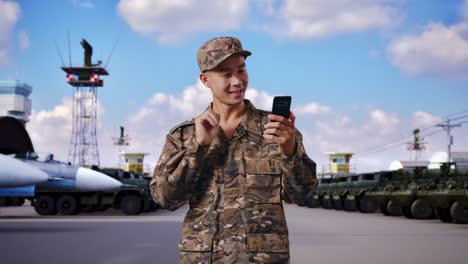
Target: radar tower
pixel 85 80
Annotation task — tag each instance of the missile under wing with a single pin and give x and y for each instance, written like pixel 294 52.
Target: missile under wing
pixel 66 176
pixel 15 173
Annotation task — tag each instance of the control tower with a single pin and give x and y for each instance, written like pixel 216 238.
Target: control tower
pixel 14 100
pixel 85 80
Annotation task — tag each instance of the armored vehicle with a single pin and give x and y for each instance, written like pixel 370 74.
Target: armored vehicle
pixel 389 181
pixel 133 197
pixel 357 198
pixel 417 181
pixel 449 195
pixel 316 197
pixel 340 190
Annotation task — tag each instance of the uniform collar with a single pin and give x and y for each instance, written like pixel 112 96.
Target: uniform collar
pixel 252 120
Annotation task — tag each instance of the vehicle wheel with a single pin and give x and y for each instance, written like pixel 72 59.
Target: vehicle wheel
pixel 103 207
pixel 146 206
pixel 67 205
pixel 422 209
pixel 327 204
pixel 406 211
pixel 393 208
pixel 350 205
pixel 383 209
pixel 338 204
pixel 154 206
pixel 45 205
pixel 131 204
pixel 367 205
pixel 88 208
pixel 459 213
pixel 17 201
pixel 444 215
pixel 5 201
pixel 312 202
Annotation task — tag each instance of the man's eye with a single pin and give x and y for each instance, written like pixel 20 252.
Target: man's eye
pixel 227 75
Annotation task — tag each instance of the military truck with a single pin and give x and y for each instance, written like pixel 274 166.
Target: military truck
pixel 132 198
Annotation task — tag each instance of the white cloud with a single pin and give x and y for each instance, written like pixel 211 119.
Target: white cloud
pixel 321 18
pixel 423 119
pixel 50 131
pixel 383 121
pixel 23 40
pixel 83 4
pixel 312 108
pixel 171 21
pixel 438 50
pixel 9 15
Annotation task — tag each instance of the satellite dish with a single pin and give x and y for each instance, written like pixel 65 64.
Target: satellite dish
pixel 395 165
pixel 437 159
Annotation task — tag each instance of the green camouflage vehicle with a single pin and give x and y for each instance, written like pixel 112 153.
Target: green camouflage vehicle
pixel 346 192
pixel 409 196
pixel 389 181
pixel 357 198
pixel 449 195
pixel 133 197
pixel 316 197
pixel 326 200
pixel 339 192
pixel 350 202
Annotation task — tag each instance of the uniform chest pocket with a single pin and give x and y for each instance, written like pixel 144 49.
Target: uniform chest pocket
pixel 263 181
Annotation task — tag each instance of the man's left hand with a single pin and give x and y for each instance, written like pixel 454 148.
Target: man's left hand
pixel 281 130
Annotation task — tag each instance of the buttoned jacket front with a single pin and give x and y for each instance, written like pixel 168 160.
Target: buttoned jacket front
pixel 235 190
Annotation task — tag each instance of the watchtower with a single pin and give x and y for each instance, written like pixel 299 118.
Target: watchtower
pixel 85 80
pixel 339 162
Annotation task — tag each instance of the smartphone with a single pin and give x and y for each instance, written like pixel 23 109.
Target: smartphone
pixel 281 106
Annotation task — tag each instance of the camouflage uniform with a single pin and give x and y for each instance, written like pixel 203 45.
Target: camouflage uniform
pixel 234 188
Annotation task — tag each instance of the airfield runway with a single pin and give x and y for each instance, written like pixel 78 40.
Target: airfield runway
pixel 317 236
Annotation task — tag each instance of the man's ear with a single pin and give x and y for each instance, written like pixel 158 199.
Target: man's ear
pixel 204 79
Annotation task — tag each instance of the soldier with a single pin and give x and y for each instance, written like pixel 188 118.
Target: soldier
pixel 234 164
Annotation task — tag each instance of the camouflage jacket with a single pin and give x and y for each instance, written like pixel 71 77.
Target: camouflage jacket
pixel 234 188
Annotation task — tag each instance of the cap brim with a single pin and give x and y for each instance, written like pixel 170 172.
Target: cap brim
pixel 245 53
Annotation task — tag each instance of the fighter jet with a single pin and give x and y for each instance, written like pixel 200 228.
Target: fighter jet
pixel 66 176
pixel 15 173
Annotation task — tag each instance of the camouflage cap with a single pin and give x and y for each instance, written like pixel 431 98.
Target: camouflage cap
pixel 216 50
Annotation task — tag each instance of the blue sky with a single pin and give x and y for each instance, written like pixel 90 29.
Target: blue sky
pixel 360 72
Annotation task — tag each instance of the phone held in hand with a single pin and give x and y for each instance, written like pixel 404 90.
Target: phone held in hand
pixel 281 106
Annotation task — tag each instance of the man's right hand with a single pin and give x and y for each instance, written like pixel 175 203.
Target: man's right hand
pixel 206 127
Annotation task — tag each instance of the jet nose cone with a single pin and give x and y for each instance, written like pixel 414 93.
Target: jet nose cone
pixel 90 180
pixel 16 173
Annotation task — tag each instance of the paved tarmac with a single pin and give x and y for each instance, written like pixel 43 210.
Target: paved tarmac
pixel 317 236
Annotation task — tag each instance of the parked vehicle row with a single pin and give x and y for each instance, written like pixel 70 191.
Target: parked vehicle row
pixel 418 193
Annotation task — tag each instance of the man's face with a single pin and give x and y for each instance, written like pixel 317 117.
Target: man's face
pixel 228 81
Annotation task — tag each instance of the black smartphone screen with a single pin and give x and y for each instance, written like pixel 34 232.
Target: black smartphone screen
pixel 281 106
